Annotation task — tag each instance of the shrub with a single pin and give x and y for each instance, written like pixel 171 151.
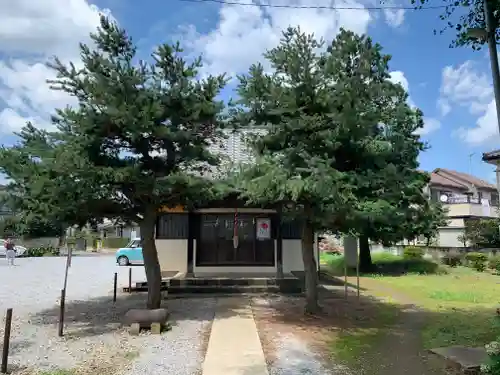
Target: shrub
pixel 476 260
pixel 41 251
pixel 421 266
pixel 452 260
pixel 492 366
pixel 387 263
pixel 35 252
pixel 494 263
pixel 413 252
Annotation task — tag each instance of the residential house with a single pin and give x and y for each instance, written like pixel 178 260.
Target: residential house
pixel 111 228
pixel 465 197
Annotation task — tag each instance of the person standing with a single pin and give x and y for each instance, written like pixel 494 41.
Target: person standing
pixel 10 252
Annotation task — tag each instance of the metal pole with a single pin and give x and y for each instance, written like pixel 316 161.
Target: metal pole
pixel 130 280
pixel 357 271
pixel 492 46
pixel 61 313
pixel 115 284
pixel 6 340
pixel 470 162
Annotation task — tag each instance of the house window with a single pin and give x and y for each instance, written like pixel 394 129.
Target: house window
pixel 172 226
pixel 494 199
pixel 119 232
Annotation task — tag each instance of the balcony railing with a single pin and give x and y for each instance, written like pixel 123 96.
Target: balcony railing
pixel 457 199
pixel 460 199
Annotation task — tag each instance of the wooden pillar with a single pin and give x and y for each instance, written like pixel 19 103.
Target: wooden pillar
pixel 279 245
pixel 190 244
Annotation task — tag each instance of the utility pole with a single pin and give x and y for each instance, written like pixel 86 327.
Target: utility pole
pixel 491 27
pixel 489 35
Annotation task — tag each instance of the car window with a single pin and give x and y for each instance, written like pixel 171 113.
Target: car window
pixel 136 243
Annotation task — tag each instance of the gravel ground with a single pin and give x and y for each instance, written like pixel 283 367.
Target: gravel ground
pixel 94 341
pixel 294 357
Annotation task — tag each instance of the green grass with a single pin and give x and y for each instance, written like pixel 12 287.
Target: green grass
pixel 351 345
pixel 460 306
pixel 364 332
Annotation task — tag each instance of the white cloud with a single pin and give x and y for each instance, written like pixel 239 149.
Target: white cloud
pixel 393 17
pixel 30 33
pixel 243 34
pixel 468 87
pixel 430 124
pixel 465 86
pixel 485 130
pixel 398 76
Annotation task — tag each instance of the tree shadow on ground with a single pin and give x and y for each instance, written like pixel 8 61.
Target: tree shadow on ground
pixel 97 316
pixel 371 336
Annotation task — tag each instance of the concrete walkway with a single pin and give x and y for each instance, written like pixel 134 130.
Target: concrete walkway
pixel 234 346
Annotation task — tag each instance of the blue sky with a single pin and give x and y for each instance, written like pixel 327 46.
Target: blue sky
pixel 451 86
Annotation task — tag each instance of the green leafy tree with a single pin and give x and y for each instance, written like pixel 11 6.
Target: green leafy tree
pixel 45 199
pixel 460 15
pixel 482 233
pixel 402 220
pixel 428 220
pixel 139 135
pixel 328 133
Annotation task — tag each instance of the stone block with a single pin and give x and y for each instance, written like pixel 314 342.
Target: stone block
pixel 466 359
pixel 134 329
pixel 145 317
pixel 156 328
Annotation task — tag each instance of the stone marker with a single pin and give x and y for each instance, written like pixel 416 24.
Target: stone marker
pixel 145 317
pixel 463 358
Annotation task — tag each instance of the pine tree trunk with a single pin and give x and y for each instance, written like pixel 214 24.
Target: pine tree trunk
pixel 365 257
pixel 310 269
pixel 151 263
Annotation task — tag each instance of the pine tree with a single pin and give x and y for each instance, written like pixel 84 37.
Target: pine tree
pixel 140 133
pixel 327 122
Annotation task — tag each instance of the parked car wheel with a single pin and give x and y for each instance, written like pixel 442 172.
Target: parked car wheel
pixel 123 261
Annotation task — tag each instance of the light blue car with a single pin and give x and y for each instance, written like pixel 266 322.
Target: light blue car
pixel 130 254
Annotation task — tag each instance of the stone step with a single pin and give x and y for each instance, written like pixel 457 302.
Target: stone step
pixel 205 289
pixel 461 358
pixel 174 286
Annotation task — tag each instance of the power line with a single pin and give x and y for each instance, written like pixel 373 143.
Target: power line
pixel 395 7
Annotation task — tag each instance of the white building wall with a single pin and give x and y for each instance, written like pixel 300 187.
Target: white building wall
pixel 172 255
pixel 449 237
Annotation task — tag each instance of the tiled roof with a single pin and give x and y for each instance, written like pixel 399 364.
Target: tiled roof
pixel 448 177
pixel 437 179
